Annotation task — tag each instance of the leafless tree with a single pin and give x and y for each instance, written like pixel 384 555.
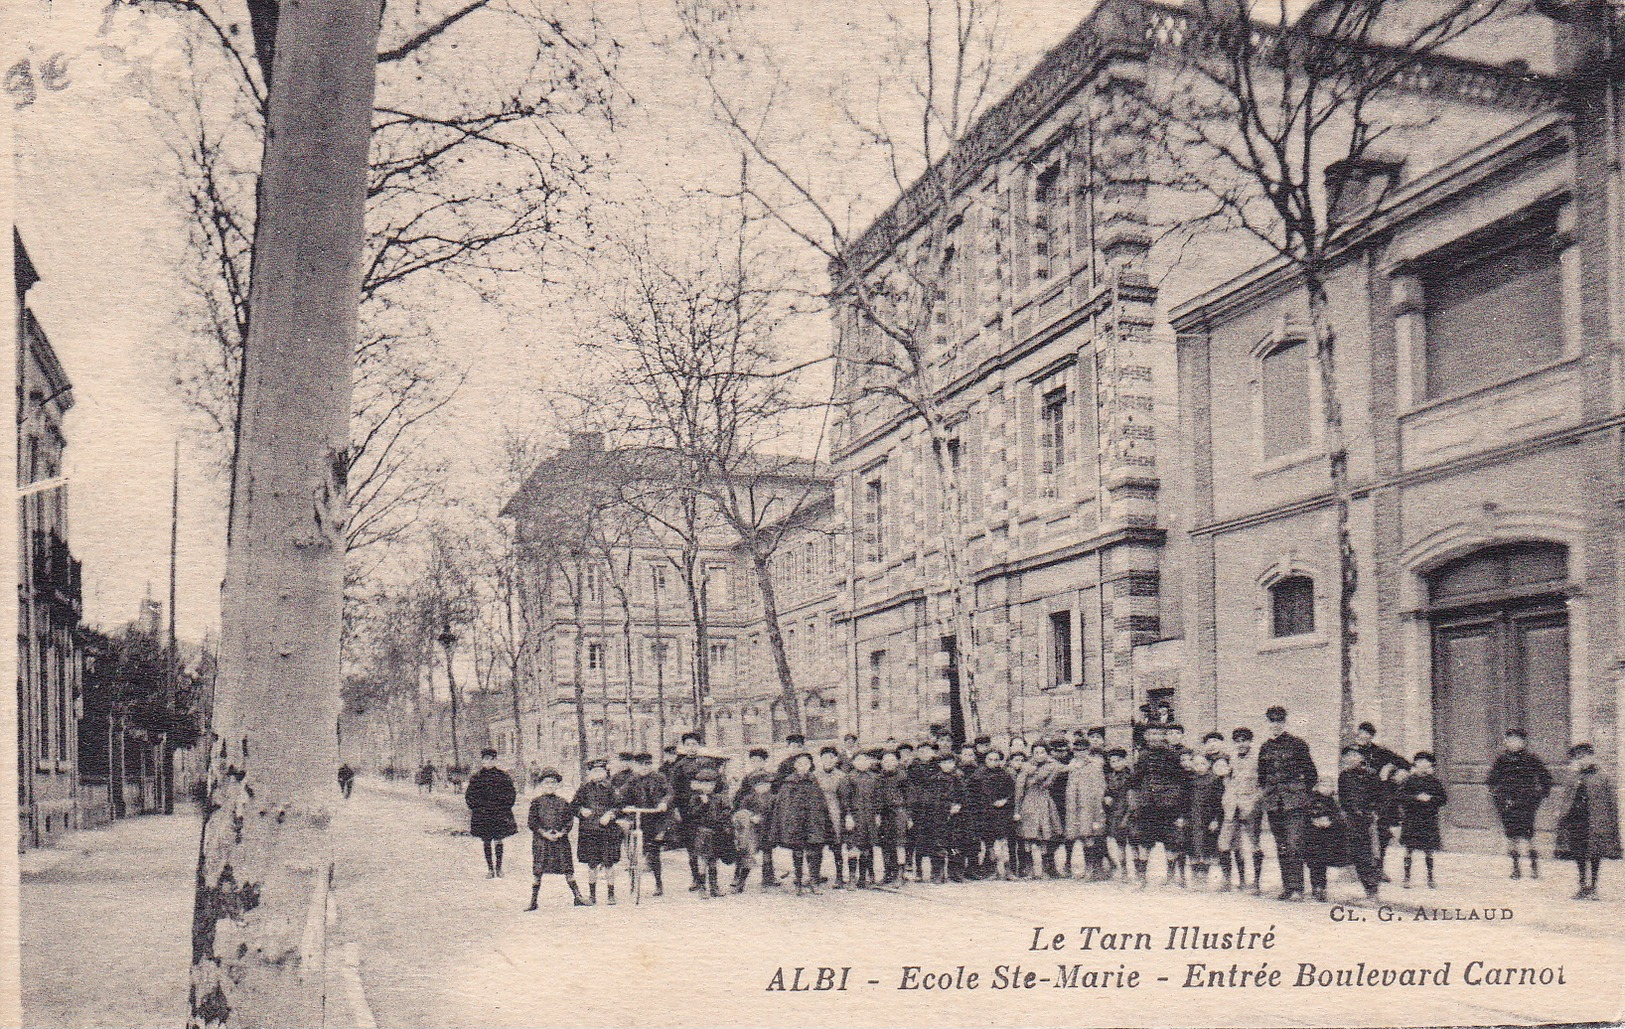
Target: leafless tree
pixel 1293 135
pixel 472 176
pixel 889 284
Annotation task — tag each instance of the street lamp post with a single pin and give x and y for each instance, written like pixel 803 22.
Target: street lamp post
pixel 448 640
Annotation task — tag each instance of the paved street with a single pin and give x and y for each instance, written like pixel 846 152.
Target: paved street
pixel 440 945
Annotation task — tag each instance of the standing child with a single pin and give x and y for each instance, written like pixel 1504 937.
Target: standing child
pixel 1518 784
pixel 861 807
pixel 1085 814
pixel 1325 839
pixel 801 822
pixel 598 839
pixel 753 828
pixel 1421 796
pixel 710 827
pixel 892 799
pixel 1588 830
pixel 1207 814
pixel 1360 795
pixel 550 819
pixel 998 808
pixel 1119 806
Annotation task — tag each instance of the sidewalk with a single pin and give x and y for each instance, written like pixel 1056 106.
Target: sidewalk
pixel 105 927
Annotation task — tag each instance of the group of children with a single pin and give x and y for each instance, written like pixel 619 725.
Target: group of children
pixel 1062 808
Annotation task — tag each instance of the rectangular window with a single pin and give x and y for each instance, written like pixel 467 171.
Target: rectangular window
pixel 593 578
pixel 1048 222
pixel 657 579
pixel 1051 439
pixel 718 652
pixel 877 678
pixel 595 658
pixel 719 587
pixel 1283 387
pixel 874 516
pixel 1493 315
pixel 1060 648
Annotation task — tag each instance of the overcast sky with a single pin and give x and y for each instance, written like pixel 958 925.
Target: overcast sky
pixel 95 205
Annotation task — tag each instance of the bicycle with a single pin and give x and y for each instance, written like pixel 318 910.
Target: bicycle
pixel 634 850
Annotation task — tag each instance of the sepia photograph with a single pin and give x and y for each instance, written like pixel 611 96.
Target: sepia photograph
pixel 704 513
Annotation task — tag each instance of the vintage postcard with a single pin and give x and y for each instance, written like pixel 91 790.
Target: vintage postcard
pixel 746 513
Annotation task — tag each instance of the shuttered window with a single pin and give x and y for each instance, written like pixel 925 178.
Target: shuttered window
pixel 1284 396
pixel 1493 315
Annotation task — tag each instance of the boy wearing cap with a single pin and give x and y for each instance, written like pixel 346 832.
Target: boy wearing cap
pixel 1518 783
pixel 710 822
pixel 649 793
pixel 923 765
pixel 490 797
pixel 892 800
pixel 752 820
pixel 550 819
pixel 996 800
pixel 1119 803
pixel 1242 810
pixel 1421 795
pixel 801 822
pixel 598 838
pixel 860 803
pixel 941 798
pixel 1588 829
pixel 831 780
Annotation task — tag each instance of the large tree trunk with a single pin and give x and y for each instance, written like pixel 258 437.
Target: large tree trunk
pixel 264 859
pixel 702 638
pixel 1324 332
pixel 580 686
pixel 451 688
pixel 775 640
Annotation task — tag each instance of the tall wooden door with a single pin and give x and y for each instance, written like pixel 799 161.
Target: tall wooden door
pixel 1500 660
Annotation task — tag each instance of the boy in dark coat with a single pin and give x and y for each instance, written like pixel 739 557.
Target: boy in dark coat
pixel 1360 794
pixel 550 819
pixel 1421 796
pixel 1119 809
pixel 859 797
pixel 1325 838
pixel 940 799
pixel 710 827
pixel 753 826
pixel 1207 816
pixel 649 792
pixel 490 797
pixel 996 801
pixel 801 822
pixel 1588 830
pixel 893 834
pixel 918 770
pixel 1518 783
pixel 1164 789
pixel 598 839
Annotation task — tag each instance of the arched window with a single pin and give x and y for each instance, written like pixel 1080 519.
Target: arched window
pixel 1292 606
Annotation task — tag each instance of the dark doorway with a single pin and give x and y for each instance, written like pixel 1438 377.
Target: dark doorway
pixel 1500 660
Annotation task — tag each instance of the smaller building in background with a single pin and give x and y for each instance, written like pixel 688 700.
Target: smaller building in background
pixel 50 653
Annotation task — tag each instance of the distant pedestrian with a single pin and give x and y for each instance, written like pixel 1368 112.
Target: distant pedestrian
pixel 551 817
pixel 426 778
pixel 1286 779
pixel 1421 796
pixel 1588 829
pixel 1518 783
pixel 490 798
pixel 346 780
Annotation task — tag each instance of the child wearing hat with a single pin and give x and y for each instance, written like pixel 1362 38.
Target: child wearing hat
pixel 801 821
pixel 598 839
pixel 1421 796
pixel 550 819
pixel 1588 829
pixel 752 822
pixel 710 824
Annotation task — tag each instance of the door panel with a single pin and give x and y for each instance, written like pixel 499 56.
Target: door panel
pixel 1469 715
pixel 1541 649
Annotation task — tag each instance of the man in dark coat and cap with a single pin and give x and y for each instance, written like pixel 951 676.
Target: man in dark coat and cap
pixel 490 797
pixel 1286 778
